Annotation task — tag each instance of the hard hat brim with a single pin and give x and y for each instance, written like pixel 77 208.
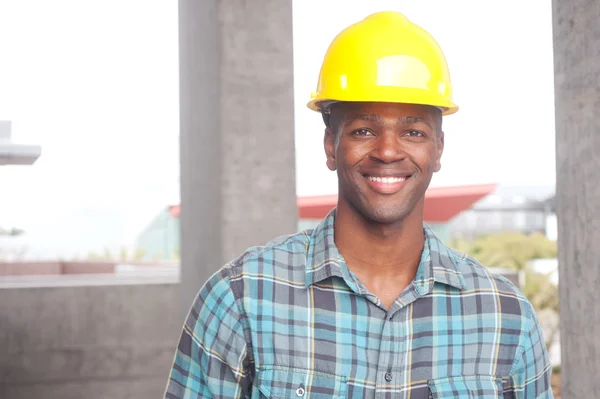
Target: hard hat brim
pixel 448 108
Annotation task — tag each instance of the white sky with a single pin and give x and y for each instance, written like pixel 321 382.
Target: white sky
pixel 501 66
pixel 96 84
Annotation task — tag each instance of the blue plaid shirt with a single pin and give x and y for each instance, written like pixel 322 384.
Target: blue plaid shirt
pixel 290 319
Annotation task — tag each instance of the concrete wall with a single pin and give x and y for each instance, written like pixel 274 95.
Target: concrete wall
pixel 576 30
pixel 106 341
pixel 50 268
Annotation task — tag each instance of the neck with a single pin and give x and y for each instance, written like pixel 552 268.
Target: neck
pixel 380 250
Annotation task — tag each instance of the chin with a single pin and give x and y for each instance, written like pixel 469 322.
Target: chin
pixel 384 213
pixel 383 216
pixel 384 210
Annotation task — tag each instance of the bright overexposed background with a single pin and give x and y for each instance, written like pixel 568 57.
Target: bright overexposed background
pixel 501 66
pixel 96 85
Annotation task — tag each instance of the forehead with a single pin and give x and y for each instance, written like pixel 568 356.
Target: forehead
pixel 385 110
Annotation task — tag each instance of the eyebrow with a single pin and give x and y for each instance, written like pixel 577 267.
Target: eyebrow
pixel 407 120
pixel 367 117
pixel 404 120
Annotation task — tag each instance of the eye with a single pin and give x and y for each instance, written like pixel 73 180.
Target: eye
pixel 415 133
pixel 362 133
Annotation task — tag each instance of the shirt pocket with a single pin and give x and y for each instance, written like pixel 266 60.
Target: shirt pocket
pixel 284 382
pixel 476 386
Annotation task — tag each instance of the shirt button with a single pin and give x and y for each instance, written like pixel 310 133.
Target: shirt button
pixel 300 391
pixel 388 377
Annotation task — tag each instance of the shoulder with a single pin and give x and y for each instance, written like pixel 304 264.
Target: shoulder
pixel 484 282
pixel 278 248
pixel 480 277
pixel 280 253
pixel 283 257
pixel 274 260
pixel 499 302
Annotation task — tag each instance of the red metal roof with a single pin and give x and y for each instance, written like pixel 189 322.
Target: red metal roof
pixel 175 210
pixel 441 203
pixel 444 203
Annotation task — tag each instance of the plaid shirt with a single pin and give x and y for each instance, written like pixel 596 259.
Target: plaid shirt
pixel 291 320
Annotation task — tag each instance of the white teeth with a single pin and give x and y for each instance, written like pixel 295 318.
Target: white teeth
pixel 387 180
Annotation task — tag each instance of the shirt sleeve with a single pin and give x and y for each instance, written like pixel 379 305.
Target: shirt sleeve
pixel 532 370
pixel 212 358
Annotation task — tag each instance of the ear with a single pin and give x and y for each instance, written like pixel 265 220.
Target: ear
pixel 440 151
pixel 329 144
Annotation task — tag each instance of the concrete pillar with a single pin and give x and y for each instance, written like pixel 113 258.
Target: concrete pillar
pixel 237 131
pixel 577 90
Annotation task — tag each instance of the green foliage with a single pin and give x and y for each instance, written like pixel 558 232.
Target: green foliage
pixel 122 256
pixel 515 251
pixel 507 250
pixel 556 369
pixel 123 253
pixel 92 255
pixel 139 254
pixel 540 291
pixel 107 254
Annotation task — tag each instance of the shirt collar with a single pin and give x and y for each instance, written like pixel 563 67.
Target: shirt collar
pixel 438 262
pixel 438 265
pixel 323 258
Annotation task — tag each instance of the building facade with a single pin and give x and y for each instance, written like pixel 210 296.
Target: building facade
pixel 160 240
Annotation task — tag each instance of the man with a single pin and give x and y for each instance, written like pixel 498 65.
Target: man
pixel 370 304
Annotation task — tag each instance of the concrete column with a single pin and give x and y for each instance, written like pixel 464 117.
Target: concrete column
pixel 237 131
pixel 577 90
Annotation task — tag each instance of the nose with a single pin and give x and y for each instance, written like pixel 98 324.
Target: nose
pixel 388 148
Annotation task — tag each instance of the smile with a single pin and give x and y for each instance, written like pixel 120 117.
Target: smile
pixel 386 184
pixel 386 180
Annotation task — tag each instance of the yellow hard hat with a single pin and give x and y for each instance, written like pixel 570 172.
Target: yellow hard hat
pixel 384 58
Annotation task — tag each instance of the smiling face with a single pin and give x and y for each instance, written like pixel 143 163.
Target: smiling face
pixel 385 155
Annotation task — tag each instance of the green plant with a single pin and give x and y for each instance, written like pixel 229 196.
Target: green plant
pixel 507 250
